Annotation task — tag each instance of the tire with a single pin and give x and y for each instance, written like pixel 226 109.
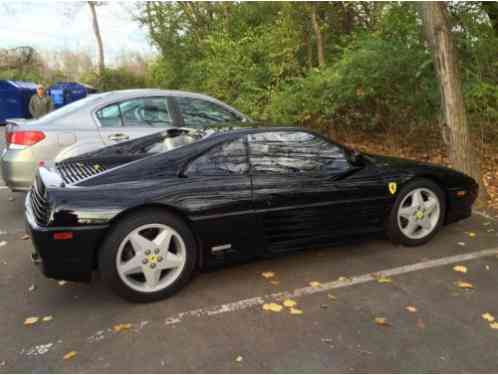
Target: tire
pixel 126 242
pixel 398 228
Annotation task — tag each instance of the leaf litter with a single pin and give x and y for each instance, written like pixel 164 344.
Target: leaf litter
pixel 31 320
pixel 460 268
pixel 70 355
pixel 487 316
pixel 411 308
pixel 381 321
pixel 464 285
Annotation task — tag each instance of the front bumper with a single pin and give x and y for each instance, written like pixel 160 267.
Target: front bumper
pixel 460 207
pixel 18 169
pixel 72 259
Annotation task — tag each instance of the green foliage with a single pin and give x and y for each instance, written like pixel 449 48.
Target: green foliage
pixel 114 79
pixel 262 58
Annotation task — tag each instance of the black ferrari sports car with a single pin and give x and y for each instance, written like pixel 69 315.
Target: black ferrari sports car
pixel 147 218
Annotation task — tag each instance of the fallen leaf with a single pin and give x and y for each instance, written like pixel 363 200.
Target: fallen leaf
pixel 471 234
pixel 3 243
pixel 62 282
pixel 70 355
pixel 460 268
pixel 411 308
pixel 275 307
pixel 381 321
pixel 31 320
pixel 344 278
pixel 47 318
pixel 32 287
pixel 268 275
pixel 384 279
pixel 461 243
pixel 332 297
pixel 121 327
pixel 315 284
pixel 494 325
pixel 487 267
pixel 25 237
pixel 295 311
pixel 464 285
pixel 490 230
pixel 239 358
pixel 290 303
pixel 327 340
pixel 487 316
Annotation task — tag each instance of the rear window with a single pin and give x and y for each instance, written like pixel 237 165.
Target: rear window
pixel 63 111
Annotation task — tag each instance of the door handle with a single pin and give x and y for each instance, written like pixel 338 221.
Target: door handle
pixel 118 137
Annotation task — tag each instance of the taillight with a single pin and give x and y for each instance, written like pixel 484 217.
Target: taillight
pixel 24 138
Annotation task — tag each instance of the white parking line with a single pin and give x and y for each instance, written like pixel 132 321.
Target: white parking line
pixel 327 286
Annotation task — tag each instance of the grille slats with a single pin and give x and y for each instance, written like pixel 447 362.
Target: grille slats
pixel 72 172
pixel 39 202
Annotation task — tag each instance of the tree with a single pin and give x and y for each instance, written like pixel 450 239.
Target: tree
pixel 456 130
pixel 98 37
pixel 491 9
pixel 315 22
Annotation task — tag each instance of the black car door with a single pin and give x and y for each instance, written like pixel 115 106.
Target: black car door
pixel 220 202
pixel 306 192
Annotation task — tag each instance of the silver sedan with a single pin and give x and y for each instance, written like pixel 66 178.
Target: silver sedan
pixel 100 120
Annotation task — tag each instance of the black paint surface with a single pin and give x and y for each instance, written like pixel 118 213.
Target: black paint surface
pixel 239 187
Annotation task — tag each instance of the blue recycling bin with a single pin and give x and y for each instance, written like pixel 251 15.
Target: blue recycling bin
pixel 14 99
pixel 63 93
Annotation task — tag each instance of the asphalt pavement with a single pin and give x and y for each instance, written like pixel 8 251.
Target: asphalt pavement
pixel 360 306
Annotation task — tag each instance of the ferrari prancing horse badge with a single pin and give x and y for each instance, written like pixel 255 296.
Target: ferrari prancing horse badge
pixel 392 187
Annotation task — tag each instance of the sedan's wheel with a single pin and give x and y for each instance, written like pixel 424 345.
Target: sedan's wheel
pixel 148 256
pixel 417 213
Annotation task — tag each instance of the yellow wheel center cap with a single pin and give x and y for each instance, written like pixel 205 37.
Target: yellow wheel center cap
pixel 152 258
pixel 419 215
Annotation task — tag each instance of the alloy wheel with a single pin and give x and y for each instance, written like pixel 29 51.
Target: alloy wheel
pixel 151 258
pixel 419 213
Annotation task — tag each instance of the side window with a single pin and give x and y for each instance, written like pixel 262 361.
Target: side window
pixel 229 158
pixel 141 112
pixel 294 153
pixel 198 112
pixel 109 116
pixel 145 112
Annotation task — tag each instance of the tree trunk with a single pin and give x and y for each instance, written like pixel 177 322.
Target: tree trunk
pixel 309 50
pixel 318 35
pixel 98 37
pixel 461 152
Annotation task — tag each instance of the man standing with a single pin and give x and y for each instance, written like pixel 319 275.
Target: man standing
pixel 40 103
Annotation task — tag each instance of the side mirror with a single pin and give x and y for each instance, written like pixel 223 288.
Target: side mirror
pixel 356 158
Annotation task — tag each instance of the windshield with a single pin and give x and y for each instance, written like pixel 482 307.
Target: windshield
pixel 63 111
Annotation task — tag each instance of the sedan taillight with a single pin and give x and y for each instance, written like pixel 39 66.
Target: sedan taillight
pixel 24 138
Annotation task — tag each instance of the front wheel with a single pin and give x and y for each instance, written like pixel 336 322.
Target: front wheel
pixel 418 213
pixel 148 256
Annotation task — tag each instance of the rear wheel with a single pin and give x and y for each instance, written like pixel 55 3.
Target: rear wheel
pixel 148 256
pixel 418 213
